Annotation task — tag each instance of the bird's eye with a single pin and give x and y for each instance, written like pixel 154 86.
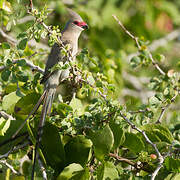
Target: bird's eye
pixel 76 22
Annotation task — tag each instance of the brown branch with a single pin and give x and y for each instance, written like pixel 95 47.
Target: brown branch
pixel 138 166
pixel 7 37
pixel 122 159
pixel 138 45
pixel 30 5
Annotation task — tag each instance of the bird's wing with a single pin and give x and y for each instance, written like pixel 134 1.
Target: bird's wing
pixel 54 57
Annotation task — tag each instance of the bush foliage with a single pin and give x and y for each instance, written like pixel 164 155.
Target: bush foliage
pixel 123 120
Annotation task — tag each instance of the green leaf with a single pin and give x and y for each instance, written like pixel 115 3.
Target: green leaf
pixel 135 61
pixel 22 77
pixel 63 109
pixel 133 142
pixel 160 131
pixel 78 150
pixel 52 147
pixel 172 164
pixel 107 171
pixel 5 75
pixel 27 103
pixel 22 35
pixel 1 4
pixel 73 172
pixel 6 6
pixel 77 106
pixel 153 137
pixel 19 93
pixel 173 176
pixel 153 101
pixel 9 102
pixel 22 44
pixel 91 80
pixel 5 45
pixel 21 62
pixel 166 91
pixel 160 57
pixel 4 125
pixel 103 141
pixel 8 26
pixel 119 135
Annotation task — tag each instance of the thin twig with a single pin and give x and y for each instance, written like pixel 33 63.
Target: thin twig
pixel 158 43
pixel 9 166
pixel 13 138
pixel 160 165
pixel 14 149
pixel 135 165
pixel 31 43
pixel 6 116
pixel 160 157
pixel 138 45
pixel 30 5
pixel 6 154
pixel 139 111
pixel 7 37
pixel 28 63
pixel 164 108
pixel 122 159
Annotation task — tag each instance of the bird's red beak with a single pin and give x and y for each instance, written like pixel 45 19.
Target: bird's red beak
pixel 84 25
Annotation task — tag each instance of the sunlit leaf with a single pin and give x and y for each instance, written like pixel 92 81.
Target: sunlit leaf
pixel 5 75
pixel 78 150
pixel 107 171
pixel 4 125
pixel 103 141
pixel 71 171
pixel 22 44
pixel 9 101
pixel 133 142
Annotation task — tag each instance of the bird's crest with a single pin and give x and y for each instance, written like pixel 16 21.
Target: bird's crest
pixel 74 16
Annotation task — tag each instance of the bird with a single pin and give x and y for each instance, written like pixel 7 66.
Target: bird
pixel 52 79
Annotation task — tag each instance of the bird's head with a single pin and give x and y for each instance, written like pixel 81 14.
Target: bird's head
pixel 76 20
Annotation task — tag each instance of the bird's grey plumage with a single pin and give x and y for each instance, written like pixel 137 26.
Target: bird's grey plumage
pixel 70 36
pixel 51 80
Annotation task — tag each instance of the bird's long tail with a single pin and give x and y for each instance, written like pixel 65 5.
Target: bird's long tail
pixel 36 107
pixel 49 96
